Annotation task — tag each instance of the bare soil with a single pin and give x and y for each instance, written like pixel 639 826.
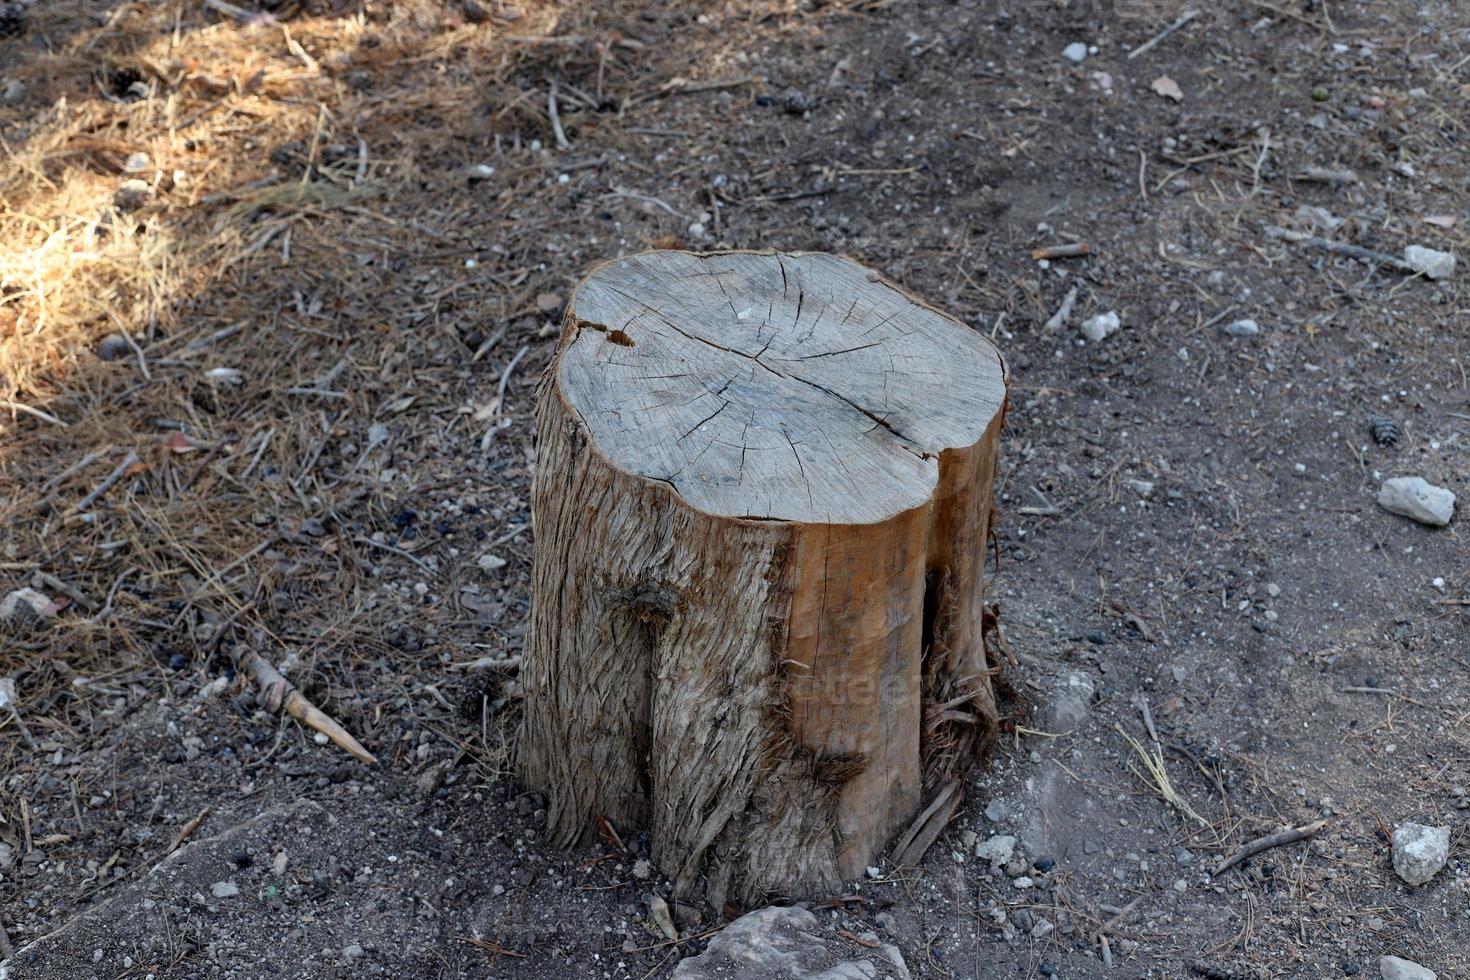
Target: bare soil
pixel 313 221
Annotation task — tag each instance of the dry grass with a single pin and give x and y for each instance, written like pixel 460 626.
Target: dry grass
pixel 321 316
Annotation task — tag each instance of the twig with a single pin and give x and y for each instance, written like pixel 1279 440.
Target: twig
pixel 1117 918
pixel 1366 255
pixel 1368 690
pixel 55 584
pixel 1067 250
pixel 489 663
pixel 1059 318
pixel 1323 175
pixel 557 131
pixel 34 412
pixel 107 483
pixel 190 825
pixel 1148 718
pixel 1179 22
pixel 384 546
pixel 278 694
pixel 505 375
pixel 1266 843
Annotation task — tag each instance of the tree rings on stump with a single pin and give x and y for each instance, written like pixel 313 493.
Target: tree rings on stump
pixel 761 504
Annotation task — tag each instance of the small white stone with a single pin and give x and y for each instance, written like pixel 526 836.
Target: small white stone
pixel 320 739
pixel 1144 488
pixel 642 869
pixel 1100 326
pixel 1243 328
pixel 224 889
pixel 1076 52
pixel 490 562
pixel 1022 882
pixel 1416 498
pixel 1419 851
pixel 998 850
pixel 1438 583
pixel 1430 261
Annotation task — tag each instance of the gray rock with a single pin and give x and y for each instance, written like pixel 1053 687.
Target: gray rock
pixel 786 944
pixel 1419 851
pixel 1430 261
pixel 1103 325
pixel 138 163
pixel 113 347
pixel 995 811
pixel 1144 488
pixel 224 889
pixel 1393 968
pixel 25 607
pixel 1415 498
pixel 14 91
pixel 354 952
pixel 998 850
pixel 1071 701
pixel 1242 328
pixel 1183 856
pixel 1076 52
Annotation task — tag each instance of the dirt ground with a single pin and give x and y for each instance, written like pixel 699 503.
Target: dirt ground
pixel 337 279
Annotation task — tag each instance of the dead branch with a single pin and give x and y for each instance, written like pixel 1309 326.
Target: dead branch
pixel 277 694
pixel 1269 841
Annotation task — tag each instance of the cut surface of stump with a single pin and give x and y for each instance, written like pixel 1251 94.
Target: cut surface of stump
pixel 757 631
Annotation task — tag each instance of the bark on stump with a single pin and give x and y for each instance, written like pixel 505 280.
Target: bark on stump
pixel 758 629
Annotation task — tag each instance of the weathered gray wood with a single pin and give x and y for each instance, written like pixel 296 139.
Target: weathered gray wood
pixel 781 387
pixel 762 497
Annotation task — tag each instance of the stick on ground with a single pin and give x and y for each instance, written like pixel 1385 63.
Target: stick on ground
pixel 1269 841
pixel 278 694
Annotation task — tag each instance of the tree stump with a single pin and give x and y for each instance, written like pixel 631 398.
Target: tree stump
pixel 762 503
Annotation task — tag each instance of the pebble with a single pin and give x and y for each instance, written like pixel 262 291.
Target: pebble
pixel 1430 261
pixel 1144 488
pixel 1103 325
pixel 14 91
pixel 1243 328
pixel 1419 851
pixel 998 850
pixel 1415 498
pixel 1183 856
pixel 354 952
pixel 1076 52
pixel 490 563
pixel 642 869
pixel 224 889
pixel 1023 882
pixel 138 163
pixel 1394 968
pixel 995 811
pixel 1273 590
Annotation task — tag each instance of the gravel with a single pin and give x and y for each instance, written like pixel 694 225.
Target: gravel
pixel 1076 52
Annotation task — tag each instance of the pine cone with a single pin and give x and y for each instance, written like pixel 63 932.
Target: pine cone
pixel 1386 431
pixel 12 19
